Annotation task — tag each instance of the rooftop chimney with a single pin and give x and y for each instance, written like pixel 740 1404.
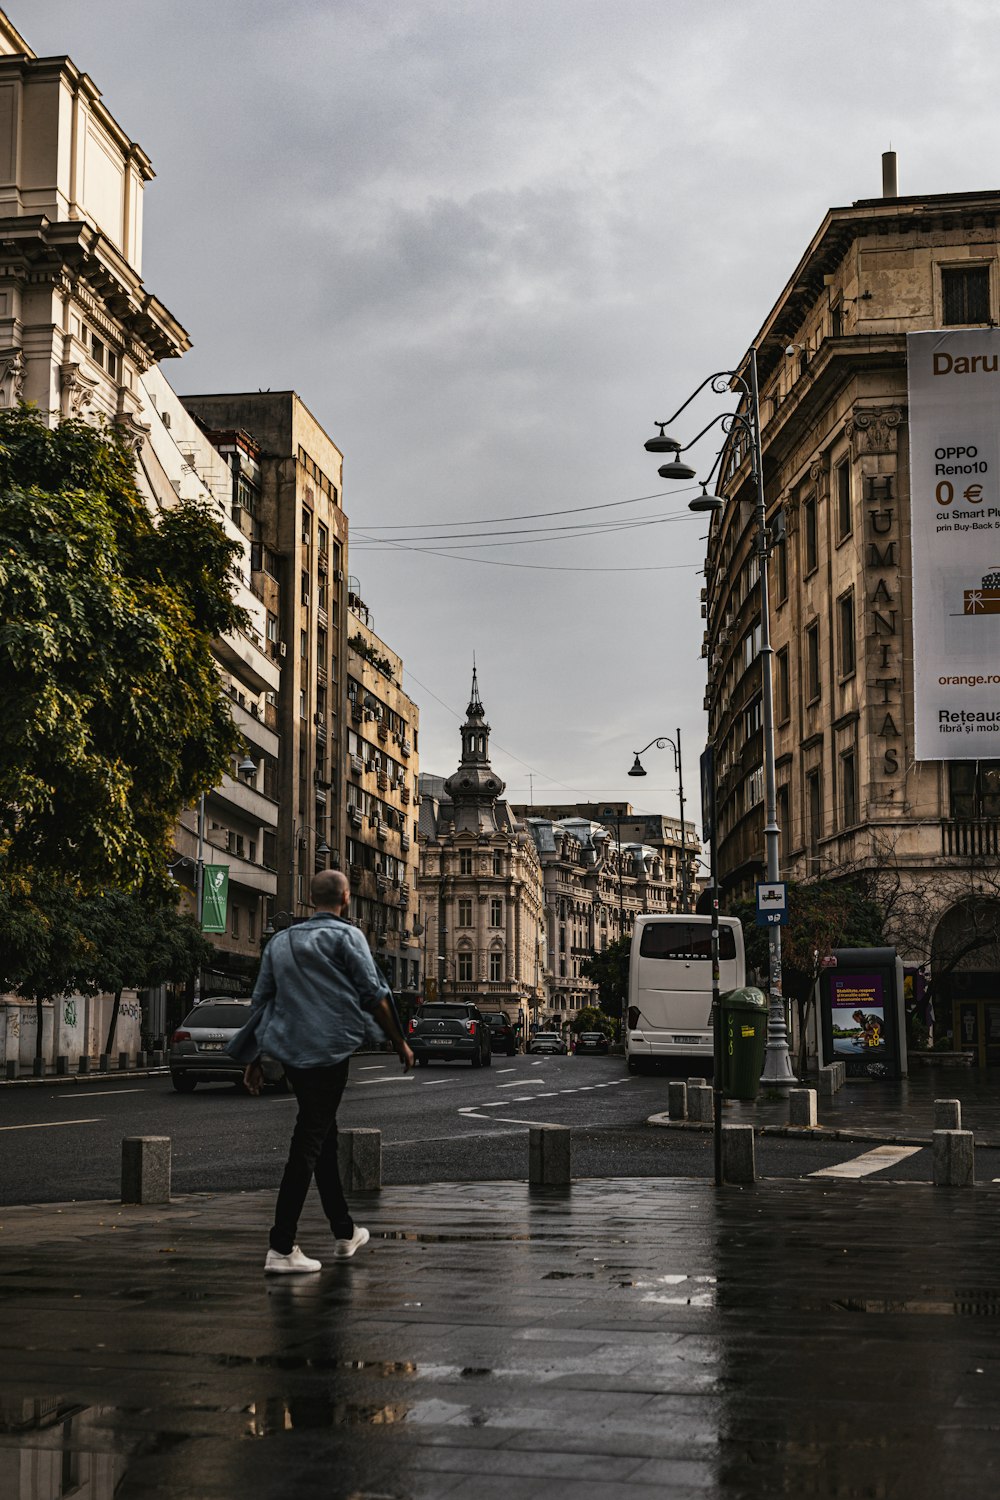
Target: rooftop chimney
pixel 890 188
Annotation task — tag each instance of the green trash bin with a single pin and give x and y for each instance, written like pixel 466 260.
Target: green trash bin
pixel 744 1040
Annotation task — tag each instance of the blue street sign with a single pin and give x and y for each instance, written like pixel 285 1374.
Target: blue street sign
pixel 772 903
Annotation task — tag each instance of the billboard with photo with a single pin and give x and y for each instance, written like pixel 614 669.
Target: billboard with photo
pixel 954 415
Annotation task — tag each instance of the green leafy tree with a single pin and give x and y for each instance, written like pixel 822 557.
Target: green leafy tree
pixel 609 971
pixel 113 717
pixel 822 915
pixel 592 1018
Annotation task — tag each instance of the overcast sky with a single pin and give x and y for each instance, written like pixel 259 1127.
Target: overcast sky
pixel 488 242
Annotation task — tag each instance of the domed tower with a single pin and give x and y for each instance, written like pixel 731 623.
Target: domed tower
pixel 475 786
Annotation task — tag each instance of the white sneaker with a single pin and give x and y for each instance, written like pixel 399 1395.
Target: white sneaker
pixel 342 1249
pixel 293 1263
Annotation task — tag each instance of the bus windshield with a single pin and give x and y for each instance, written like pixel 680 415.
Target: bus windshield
pixel 686 941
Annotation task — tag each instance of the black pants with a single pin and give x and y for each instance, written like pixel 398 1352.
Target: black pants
pixel 313 1152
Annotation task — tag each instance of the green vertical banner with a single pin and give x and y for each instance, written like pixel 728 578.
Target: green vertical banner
pixel 214 898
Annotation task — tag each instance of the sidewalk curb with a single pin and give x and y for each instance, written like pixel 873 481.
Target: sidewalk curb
pixel 64 1078
pixel 817 1132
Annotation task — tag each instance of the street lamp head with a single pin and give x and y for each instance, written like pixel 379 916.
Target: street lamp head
pixel 660 443
pixel 247 767
pixel 706 502
pixel 637 769
pixel 322 847
pixel 676 469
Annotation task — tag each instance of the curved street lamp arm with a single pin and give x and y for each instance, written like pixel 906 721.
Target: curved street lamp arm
pixel 661 743
pixel 726 376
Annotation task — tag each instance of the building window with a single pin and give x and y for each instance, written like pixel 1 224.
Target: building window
pixel 814 804
pixel 974 788
pixel 849 788
pixel 496 911
pixel 845 520
pixel 812 663
pixel 845 631
pixel 304 588
pixel 784 692
pixel 752 717
pixel 497 862
pixel 782 805
pixel 965 294
pixel 496 968
pixel 234 921
pixel 781 571
pixel 755 787
pixel 465 968
pixel 465 861
pixel 465 912
pixel 303 643
pixel 810 536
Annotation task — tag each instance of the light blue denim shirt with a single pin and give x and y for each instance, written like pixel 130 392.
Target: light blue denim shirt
pixel 317 987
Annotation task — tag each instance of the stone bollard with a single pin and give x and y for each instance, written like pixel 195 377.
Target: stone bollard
pixel 695 1083
pixel 146 1169
pixel 677 1100
pixel 10 1069
pixel 62 1065
pixel 103 1063
pixel 550 1155
pixel 954 1158
pixel 156 1059
pixel 123 1062
pixel 738 1161
pixel 831 1078
pixel 701 1102
pixel 802 1107
pixel 140 1059
pixel 359 1160
pixel 947 1114
pixel 38 1067
pixel 83 1066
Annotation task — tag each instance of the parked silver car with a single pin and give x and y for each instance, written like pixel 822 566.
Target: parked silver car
pixel 198 1046
pixel 547 1041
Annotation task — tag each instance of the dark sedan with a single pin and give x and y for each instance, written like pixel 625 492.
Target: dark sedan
pixel 502 1033
pixel 591 1041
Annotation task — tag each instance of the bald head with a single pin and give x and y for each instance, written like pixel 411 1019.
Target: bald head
pixel 329 890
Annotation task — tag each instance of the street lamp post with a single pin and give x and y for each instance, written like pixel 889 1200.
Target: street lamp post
pixel 298 829
pixel 639 770
pixel 746 420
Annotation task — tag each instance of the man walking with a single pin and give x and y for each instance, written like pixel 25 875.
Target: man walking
pixel 317 984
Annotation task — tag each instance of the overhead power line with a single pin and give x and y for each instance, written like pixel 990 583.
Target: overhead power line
pixel 538 515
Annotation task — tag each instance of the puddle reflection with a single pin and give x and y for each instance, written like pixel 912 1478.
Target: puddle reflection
pixel 51 1448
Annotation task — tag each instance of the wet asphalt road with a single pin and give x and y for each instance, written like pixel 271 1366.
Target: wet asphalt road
pixel 445 1123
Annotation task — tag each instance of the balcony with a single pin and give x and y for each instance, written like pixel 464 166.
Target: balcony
pixel 975 838
pixel 251 804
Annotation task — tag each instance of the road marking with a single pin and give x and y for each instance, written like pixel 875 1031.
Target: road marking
pixel 868 1162
pixel 392 1078
pixel 367 1067
pixel 520 1083
pixel 536 1064
pixel 428 1083
pixel 506 1070
pixel 52 1124
pixel 95 1094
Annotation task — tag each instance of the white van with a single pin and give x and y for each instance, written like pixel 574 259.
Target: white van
pixel 670 986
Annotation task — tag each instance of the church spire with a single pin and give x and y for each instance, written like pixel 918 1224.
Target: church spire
pixel 475 786
pixel 475 708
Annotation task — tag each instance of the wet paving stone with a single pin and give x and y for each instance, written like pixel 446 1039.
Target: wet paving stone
pixel 629 1338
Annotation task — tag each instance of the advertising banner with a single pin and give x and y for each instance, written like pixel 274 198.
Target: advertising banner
pixel 954 388
pixel 214 898
pixel 857 1006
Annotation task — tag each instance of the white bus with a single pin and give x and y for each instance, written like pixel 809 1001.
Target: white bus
pixel 670 986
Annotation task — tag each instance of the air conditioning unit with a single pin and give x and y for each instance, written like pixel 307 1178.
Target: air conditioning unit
pixel 166 419
pixel 704 648
pixel 282 648
pixel 338 574
pixel 704 611
pixel 704 596
pixel 318 718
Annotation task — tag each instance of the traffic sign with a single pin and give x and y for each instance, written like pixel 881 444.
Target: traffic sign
pixel 772 903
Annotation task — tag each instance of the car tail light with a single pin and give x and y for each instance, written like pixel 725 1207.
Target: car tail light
pixel 181 1036
pixel 411 1028
pixel 471 1025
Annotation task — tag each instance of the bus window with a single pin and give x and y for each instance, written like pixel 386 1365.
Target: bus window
pixel 685 941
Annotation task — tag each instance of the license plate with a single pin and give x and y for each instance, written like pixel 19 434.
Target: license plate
pixel 444 1041
pixel 691 1041
pixel 211 1046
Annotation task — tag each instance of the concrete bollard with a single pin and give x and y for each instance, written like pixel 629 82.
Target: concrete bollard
pixel 103 1063
pixel 695 1083
pixel 156 1059
pixel 38 1067
pixel 947 1114
pixel 359 1160
pixel 550 1155
pixel 677 1100
pixel 140 1059
pixel 83 1066
pixel 954 1158
pixel 700 1103
pixel 123 1062
pixel 62 1065
pixel 146 1169
pixel 832 1078
pixel 802 1107
pixel 738 1159
pixel 10 1069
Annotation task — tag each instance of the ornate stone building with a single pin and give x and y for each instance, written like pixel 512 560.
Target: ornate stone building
pixel 851 796
pixel 480 883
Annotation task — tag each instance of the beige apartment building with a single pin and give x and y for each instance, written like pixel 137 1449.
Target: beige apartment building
pixel 288 488
pixel 852 798
pixel 480 883
pixel 382 794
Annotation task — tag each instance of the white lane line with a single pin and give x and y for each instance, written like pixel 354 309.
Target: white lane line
pixel 536 1064
pixel 868 1162
pixel 520 1084
pixel 506 1070
pixel 428 1082
pixel 392 1078
pixel 367 1067
pixel 53 1124
pixel 96 1094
